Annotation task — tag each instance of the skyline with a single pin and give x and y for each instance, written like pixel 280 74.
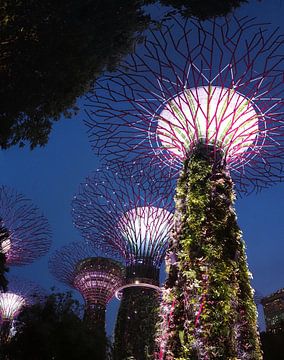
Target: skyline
pixel 50 177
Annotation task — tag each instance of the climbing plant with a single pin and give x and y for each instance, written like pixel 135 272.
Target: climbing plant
pixel 136 324
pixel 208 309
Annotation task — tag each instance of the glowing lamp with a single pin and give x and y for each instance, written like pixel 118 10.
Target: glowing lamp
pixel 6 246
pixel 143 228
pixel 214 115
pixel 10 305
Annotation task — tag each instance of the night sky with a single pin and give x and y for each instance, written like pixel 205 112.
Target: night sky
pixel 50 176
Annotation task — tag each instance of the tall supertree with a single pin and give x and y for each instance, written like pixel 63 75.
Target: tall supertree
pixel 24 232
pixel 134 217
pixel 204 97
pixel 95 278
pixel 20 293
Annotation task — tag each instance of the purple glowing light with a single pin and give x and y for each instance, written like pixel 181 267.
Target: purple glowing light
pixel 217 82
pixel 20 293
pixel 96 278
pixel 24 231
pixel 217 116
pixel 144 228
pixel 10 305
pixel 132 215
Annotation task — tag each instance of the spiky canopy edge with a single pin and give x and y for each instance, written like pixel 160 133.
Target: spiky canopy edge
pixel 234 53
pixel 105 197
pixel 29 231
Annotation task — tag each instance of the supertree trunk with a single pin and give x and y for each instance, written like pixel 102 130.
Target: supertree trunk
pixel 136 324
pixel 5 331
pixel 210 309
pixel 94 318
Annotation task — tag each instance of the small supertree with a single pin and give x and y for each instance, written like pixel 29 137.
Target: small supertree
pixel 20 293
pixel 207 97
pixel 24 232
pixel 134 217
pixel 95 278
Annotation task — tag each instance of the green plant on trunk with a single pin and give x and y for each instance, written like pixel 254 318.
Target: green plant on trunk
pixel 213 314
pixel 136 324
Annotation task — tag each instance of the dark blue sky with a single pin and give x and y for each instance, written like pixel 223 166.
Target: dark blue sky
pixel 50 177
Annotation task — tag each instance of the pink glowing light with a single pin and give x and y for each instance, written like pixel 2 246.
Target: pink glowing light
pixel 24 232
pixel 20 293
pixel 214 115
pixel 145 227
pixel 96 278
pixel 10 305
pixel 133 215
pixel 218 82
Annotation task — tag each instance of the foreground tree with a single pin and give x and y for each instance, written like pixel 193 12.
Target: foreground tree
pixel 272 343
pixel 204 9
pixel 53 330
pixel 51 52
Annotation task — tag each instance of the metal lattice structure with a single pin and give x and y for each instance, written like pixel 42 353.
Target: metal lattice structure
pixel 20 293
pixel 96 278
pixel 130 214
pixel 217 82
pixel 24 232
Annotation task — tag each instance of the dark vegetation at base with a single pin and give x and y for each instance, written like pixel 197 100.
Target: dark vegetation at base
pixel 273 344
pixel 136 324
pixel 54 329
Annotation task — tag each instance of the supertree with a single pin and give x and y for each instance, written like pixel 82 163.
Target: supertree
pixel 20 293
pixel 134 217
pixel 204 97
pixel 96 278
pixel 24 232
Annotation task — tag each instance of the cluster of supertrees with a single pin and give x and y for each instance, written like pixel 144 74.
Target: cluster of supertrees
pixel 20 294
pixel 126 226
pixel 95 277
pixel 132 217
pixel 24 236
pixel 200 101
pixel 195 111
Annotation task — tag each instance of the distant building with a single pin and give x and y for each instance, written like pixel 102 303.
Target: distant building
pixel 273 306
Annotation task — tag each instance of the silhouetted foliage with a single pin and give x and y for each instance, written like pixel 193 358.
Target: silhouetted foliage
pixel 272 344
pixel 136 324
pixel 204 9
pixel 54 330
pixel 52 51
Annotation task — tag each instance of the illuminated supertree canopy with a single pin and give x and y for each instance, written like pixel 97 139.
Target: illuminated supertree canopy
pixel 204 97
pixel 24 231
pixel 217 82
pixel 133 215
pixel 96 278
pixel 20 293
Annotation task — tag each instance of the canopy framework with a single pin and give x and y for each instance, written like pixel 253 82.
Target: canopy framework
pixel 25 233
pixel 131 215
pixel 20 293
pixel 96 278
pixel 207 98
pixel 216 82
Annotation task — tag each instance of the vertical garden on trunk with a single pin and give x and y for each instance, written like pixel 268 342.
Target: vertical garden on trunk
pixel 211 314
pixel 136 324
